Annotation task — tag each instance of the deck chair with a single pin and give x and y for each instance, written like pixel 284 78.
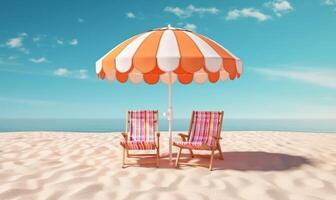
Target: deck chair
pixel 204 134
pixel 141 134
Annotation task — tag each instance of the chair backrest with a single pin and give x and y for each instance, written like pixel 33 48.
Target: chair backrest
pixel 142 125
pixel 204 125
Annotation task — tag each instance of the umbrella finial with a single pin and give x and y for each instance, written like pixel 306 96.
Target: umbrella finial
pixel 169 26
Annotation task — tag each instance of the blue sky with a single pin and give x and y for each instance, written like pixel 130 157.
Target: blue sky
pixel 48 51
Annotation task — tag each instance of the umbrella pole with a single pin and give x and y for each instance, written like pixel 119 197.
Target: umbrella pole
pixel 170 117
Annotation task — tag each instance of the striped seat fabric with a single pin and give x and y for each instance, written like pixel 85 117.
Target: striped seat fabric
pixel 138 145
pixel 141 128
pixel 192 145
pixel 204 126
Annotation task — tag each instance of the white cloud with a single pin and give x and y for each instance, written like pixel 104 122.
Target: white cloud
pixel 200 10
pixel 39 60
pixel 23 34
pixel 247 12
pixel 73 42
pixel 58 41
pixel 77 74
pixel 15 42
pixel 177 11
pixel 36 39
pixel 280 7
pixel 11 58
pixel 329 2
pixel 61 72
pixel 324 78
pixel 80 20
pixel 64 72
pixel 24 50
pixel 83 74
pixel 191 27
pixel 190 10
pixel 130 15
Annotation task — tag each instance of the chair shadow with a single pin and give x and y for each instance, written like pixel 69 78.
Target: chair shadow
pixel 150 161
pixel 240 160
pixel 256 161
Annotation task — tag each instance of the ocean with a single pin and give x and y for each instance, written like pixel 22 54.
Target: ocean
pixel 116 125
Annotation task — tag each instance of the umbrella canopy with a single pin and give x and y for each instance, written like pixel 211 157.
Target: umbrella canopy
pixel 169 54
pixel 150 56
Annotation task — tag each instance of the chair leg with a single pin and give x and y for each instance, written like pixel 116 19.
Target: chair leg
pixel 157 157
pixel 178 157
pixel 127 153
pixel 191 153
pixel 211 159
pixel 220 152
pixel 123 158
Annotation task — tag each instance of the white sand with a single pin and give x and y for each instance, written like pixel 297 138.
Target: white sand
pixel 256 165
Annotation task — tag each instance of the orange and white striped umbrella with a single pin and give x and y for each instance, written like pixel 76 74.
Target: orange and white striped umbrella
pixel 186 55
pixel 169 54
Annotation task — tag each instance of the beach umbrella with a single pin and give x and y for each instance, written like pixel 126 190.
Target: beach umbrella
pixel 169 55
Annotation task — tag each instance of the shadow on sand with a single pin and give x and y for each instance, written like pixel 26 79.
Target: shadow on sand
pixel 240 160
pixel 259 161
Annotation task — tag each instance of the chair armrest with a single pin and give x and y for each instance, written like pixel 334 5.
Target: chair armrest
pixel 217 138
pixel 183 136
pixel 125 135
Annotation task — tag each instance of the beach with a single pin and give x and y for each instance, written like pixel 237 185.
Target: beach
pixel 256 165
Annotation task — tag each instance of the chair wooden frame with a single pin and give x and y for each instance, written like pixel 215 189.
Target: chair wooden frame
pixel 214 147
pixel 126 152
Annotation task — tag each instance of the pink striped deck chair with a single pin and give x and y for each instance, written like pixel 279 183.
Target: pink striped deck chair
pixel 204 134
pixel 141 133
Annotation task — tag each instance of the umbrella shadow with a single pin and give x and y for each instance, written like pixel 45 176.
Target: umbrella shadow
pixel 255 161
pixel 239 160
